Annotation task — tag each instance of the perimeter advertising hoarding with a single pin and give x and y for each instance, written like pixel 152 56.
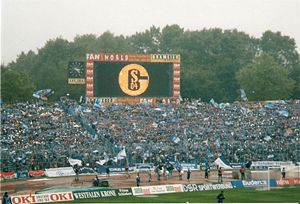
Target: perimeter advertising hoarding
pixel 105 193
pixel 207 186
pixel 131 76
pixel 160 189
pixel 42 198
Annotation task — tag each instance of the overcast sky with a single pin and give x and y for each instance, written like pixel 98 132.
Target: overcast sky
pixel 28 24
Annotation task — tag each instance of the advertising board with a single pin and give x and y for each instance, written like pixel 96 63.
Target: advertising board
pixel 266 164
pixel 8 175
pixel 253 183
pixel 207 186
pixel 149 190
pixel 78 195
pixel 42 198
pixel 288 182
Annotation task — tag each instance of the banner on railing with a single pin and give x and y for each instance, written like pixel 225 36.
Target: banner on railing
pixel 59 172
pixel 114 169
pixel 8 175
pixel 186 166
pixel 260 164
pixel 36 173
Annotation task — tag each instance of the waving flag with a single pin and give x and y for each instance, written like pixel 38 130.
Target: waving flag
pixel 98 103
pixel 283 113
pixel 122 154
pixel 102 162
pixel 212 102
pixel 43 94
pixel 221 162
pixel 73 162
pixel 175 139
pixel 243 95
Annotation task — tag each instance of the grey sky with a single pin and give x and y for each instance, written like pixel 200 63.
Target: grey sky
pixel 28 24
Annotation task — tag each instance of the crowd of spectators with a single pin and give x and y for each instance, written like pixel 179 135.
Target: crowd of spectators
pixel 42 135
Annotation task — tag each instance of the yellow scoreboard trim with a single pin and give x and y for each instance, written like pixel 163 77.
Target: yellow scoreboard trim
pixel 165 58
pixel 76 81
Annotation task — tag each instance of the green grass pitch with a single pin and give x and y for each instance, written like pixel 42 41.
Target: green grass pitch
pixel 289 194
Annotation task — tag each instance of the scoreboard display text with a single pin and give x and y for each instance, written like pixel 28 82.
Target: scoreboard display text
pixel 132 75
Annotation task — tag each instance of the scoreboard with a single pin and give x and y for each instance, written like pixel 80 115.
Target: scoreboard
pixel 132 76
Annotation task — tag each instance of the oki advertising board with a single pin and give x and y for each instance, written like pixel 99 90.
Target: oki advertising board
pixel 42 198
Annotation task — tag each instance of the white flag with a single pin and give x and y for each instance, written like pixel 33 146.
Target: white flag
pixel 122 154
pixel 102 162
pixel 75 161
pixel 222 164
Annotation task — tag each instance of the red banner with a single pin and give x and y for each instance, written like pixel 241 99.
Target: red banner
pixel 8 175
pixel 36 173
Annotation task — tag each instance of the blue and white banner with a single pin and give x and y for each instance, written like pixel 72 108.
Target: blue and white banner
pixel 114 169
pixel 254 183
pixel 207 186
pixel 186 166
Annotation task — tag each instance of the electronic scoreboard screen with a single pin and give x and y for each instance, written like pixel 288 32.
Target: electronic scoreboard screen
pixel 133 79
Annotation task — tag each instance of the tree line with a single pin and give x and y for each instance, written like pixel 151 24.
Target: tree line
pixel 215 63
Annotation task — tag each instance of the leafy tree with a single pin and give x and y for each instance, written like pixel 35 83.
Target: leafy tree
pixel 86 43
pixel 107 42
pixel 146 42
pixel 283 49
pixel 222 53
pixel 200 84
pixel 24 62
pixel 15 86
pixel 51 68
pixel 265 79
pixel 171 39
